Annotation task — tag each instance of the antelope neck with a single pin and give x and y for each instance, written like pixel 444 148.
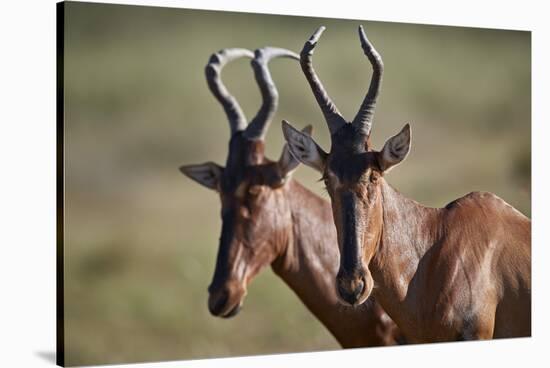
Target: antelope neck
pixel 308 265
pixel 308 252
pixel 409 230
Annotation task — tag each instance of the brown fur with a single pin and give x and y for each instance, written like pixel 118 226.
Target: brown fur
pixel 269 219
pixel 456 273
pixel 459 272
pixel 290 228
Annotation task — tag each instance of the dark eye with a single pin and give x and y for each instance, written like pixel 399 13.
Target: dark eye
pixel 374 177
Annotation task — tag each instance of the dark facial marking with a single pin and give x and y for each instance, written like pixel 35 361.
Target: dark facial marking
pixel 222 270
pixel 350 256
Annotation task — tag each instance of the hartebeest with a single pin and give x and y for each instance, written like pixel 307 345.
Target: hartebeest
pixel 270 219
pixel 452 273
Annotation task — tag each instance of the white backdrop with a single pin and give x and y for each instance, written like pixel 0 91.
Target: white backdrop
pixel 27 205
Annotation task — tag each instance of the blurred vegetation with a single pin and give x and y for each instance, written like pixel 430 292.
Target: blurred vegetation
pixel 141 239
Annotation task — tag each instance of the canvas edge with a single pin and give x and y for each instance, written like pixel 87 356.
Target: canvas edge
pixel 60 185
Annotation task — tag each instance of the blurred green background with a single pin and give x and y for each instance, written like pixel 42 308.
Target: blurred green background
pixel 141 239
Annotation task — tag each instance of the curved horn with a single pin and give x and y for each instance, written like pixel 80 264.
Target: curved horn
pixel 270 97
pixel 218 60
pixel 363 119
pixel 333 117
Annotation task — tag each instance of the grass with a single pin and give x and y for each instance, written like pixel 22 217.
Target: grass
pixel 141 239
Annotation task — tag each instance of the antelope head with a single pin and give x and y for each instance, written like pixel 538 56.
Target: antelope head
pixel 352 171
pixel 254 210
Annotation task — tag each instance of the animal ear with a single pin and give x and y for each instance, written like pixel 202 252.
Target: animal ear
pixel 207 174
pixel 395 149
pixel 304 148
pixel 287 163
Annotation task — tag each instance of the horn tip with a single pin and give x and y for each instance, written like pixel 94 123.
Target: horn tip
pixel 318 33
pixel 362 33
pixel 270 52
